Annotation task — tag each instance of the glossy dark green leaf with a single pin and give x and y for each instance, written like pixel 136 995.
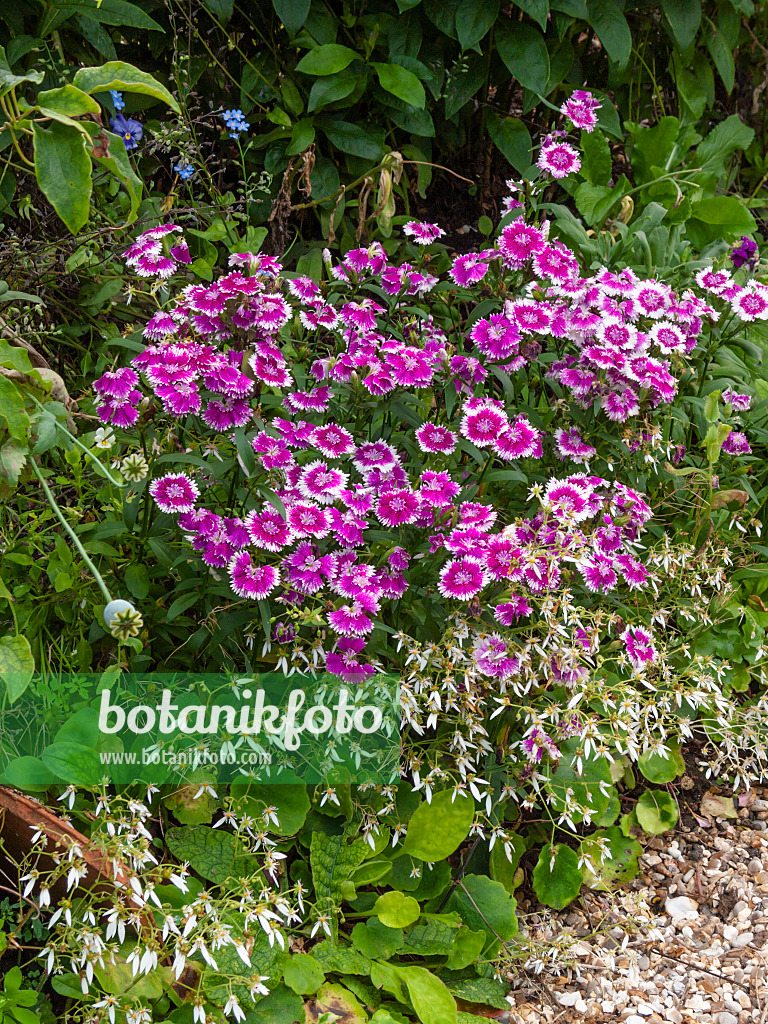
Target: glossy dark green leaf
pixel 292 13
pixel 536 9
pixel 684 17
pixel 523 50
pixel 610 25
pixel 511 136
pixel 474 19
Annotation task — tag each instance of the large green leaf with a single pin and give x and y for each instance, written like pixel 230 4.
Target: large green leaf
pixel 431 1000
pixel 485 906
pixel 590 788
pixel 332 860
pixel 557 876
pixel 608 21
pixel 722 55
pixel 221 9
pixel 292 13
pixel 303 974
pixel 8 80
pixel 13 456
pixel 401 83
pixel 331 88
pixel 396 910
pixel 326 60
pixel 436 936
pixel 684 17
pixel 437 828
pixel 74 763
pixel 67 100
pixel 110 12
pixel 656 811
pixel 212 853
pixel 116 74
pixel 16 664
pixel 718 217
pixel 351 138
pixel 473 20
pixel 523 50
pixel 28 774
pixel 289 804
pixel 511 136
pixel 622 865
pixel 63 171
pixel 595 158
pixel 725 139
pixel 12 410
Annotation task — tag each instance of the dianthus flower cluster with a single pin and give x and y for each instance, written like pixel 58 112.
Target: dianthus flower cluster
pixel 355 499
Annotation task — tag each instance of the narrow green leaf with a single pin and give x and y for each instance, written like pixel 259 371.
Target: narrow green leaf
pixel 722 55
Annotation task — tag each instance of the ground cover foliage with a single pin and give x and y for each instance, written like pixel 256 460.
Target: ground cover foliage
pixel 525 477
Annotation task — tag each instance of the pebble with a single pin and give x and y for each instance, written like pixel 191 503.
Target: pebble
pixel 727 1018
pixel 681 906
pixel 743 940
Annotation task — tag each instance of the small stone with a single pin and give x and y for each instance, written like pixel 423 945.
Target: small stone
pixel 643 963
pixel 580 1006
pixel 738 907
pixel 730 934
pixel 743 940
pixel 681 907
pixel 568 998
pixel 754 866
pixel 674 1016
pixel 727 1018
pixel 634 1019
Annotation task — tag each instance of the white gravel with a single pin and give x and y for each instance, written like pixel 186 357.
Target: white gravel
pixel 696 955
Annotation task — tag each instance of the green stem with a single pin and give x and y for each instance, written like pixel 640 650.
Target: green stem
pixel 73 536
pixel 82 447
